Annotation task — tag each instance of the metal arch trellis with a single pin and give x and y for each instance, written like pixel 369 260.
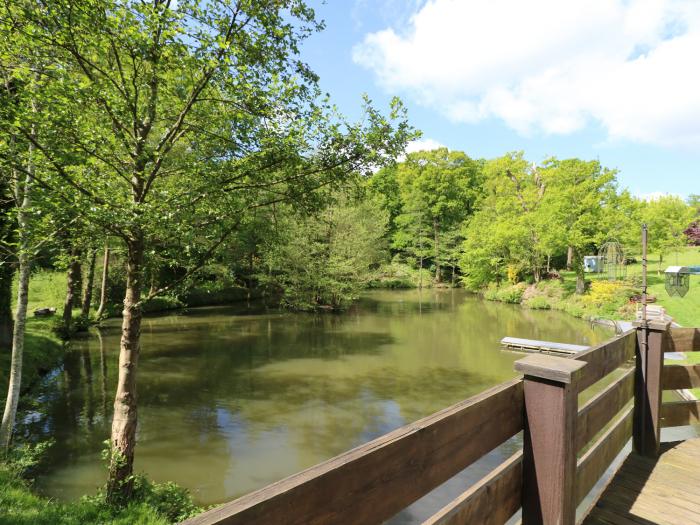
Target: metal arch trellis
pixel 613 260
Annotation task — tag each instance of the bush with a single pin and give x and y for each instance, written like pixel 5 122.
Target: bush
pixel 168 499
pixel 506 294
pixel 165 302
pixel 537 303
pixel 25 459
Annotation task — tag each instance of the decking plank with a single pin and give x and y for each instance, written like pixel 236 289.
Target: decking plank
pixel 644 491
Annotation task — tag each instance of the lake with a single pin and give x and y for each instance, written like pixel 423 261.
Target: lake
pixel 231 399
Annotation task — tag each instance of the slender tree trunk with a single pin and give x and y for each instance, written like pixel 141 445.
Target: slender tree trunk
pixel 103 288
pixel 123 440
pixel 436 230
pixel 7 272
pixel 23 195
pixel 580 276
pixel 7 265
pixel 420 264
pixel 569 257
pixel 87 295
pixel 73 278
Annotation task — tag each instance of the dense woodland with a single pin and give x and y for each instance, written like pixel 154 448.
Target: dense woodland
pixel 166 154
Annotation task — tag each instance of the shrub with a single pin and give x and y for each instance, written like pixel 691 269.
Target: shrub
pixel 168 499
pixel 506 294
pixel 165 302
pixel 538 302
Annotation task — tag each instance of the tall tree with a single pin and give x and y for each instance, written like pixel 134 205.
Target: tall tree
pixel 667 217
pixel 169 121
pixel 443 185
pixel 580 195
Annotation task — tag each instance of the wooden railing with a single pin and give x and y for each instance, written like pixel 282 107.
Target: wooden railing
pixel 566 449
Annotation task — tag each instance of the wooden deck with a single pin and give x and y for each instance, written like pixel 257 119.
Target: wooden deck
pixel 664 491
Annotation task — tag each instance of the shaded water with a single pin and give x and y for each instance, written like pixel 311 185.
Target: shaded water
pixel 231 401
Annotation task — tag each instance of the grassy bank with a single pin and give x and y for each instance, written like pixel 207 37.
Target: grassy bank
pixel 152 505
pixel 609 300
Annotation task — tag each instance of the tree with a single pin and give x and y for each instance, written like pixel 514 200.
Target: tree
pixel 323 261
pixel 439 187
pixel 168 122
pixel 505 230
pixel 576 205
pixel 666 217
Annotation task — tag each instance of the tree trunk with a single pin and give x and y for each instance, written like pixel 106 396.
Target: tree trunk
pixel 580 276
pixel 437 250
pixel 123 440
pixel 8 227
pixel 7 272
pixel 73 278
pixel 87 295
pixel 13 388
pixel 569 257
pixel 103 288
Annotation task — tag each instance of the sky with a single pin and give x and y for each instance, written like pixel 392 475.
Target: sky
pixel 613 80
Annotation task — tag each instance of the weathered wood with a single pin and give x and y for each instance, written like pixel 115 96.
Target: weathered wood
pixel 549 453
pixel 599 410
pixel 532 345
pixel 371 483
pixel 559 369
pixel 684 340
pixel 680 413
pixel 598 458
pixel 681 376
pixel 606 357
pixel 645 491
pixel 650 348
pixel 491 501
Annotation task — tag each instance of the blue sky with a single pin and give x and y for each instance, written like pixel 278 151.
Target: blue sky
pixel 611 80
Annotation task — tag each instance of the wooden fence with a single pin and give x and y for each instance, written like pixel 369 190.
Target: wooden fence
pixel 566 448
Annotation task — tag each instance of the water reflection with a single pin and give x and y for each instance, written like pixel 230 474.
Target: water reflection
pixel 231 401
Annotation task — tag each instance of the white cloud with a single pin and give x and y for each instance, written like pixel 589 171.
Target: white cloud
pixel 423 145
pixel 551 66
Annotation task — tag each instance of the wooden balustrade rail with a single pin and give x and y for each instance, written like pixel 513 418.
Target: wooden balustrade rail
pixel 373 482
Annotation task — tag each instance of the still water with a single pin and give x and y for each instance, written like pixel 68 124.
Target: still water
pixel 233 399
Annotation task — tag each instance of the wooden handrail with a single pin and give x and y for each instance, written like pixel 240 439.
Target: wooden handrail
pixel 677 377
pixel 373 482
pixel 386 474
pixel 684 339
pixel 606 357
pixel 598 458
pixel 601 409
pixel 491 501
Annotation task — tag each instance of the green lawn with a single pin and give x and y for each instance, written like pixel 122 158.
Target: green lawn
pixel 685 311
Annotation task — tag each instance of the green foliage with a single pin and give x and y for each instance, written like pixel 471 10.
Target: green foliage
pixel 324 261
pixel 666 218
pixel 24 459
pixel 505 294
pixel 153 504
pixel 42 352
pixel 538 302
pixel 163 303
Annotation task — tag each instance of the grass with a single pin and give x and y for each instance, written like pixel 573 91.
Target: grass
pixel 610 299
pixel 154 504
pixel 686 310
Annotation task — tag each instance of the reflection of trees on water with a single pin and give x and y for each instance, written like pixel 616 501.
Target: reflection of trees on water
pixel 230 404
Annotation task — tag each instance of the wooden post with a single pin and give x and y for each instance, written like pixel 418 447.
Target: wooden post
pixel 549 448
pixel 652 342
